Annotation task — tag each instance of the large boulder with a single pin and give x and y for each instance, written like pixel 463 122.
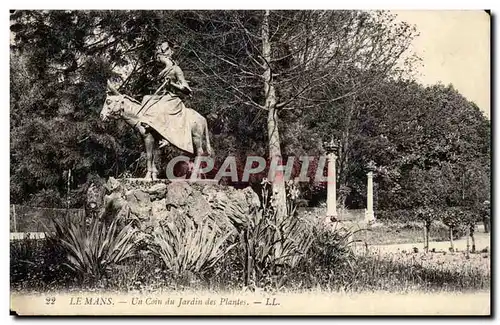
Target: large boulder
pixel 197 207
pixel 177 194
pixel 232 205
pixel 151 204
pixel 139 203
pixel 157 191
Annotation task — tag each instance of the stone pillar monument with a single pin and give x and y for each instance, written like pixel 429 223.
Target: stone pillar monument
pixel 369 213
pixel 331 190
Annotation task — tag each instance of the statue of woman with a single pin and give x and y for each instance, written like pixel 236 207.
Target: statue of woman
pixel 172 71
pixel 175 85
pixel 163 117
pixel 165 111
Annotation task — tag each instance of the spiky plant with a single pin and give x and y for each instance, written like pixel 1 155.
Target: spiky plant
pixel 187 248
pixel 269 243
pixel 91 250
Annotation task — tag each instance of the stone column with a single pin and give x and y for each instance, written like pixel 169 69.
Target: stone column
pixel 369 214
pixel 331 190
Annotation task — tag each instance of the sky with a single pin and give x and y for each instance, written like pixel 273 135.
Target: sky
pixel 455 48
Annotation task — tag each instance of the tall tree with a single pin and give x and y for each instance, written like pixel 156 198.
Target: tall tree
pixel 298 58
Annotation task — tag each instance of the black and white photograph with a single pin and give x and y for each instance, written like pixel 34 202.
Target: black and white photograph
pixel 250 162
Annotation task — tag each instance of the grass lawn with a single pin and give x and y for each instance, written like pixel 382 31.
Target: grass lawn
pixel 401 233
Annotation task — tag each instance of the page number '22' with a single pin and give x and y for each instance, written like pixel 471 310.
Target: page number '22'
pixel 50 300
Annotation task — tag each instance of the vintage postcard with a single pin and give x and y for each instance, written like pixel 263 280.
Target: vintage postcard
pixel 250 162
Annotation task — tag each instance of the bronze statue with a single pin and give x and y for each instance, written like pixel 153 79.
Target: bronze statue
pixel 162 117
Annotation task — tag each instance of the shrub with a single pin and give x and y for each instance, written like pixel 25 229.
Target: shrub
pixel 397 215
pixel 91 250
pixel 187 249
pixel 329 262
pixel 269 244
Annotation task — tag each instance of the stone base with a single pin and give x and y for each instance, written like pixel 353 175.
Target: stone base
pixel 152 203
pixel 197 181
pixel 167 181
pixel 140 180
pixel 369 217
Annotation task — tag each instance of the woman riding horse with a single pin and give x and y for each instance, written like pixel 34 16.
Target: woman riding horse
pixel 165 114
pixel 175 86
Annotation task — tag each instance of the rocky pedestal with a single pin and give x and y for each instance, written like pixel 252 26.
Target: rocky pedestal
pixel 150 204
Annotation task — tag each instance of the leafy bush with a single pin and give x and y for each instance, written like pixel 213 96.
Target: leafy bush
pixel 332 246
pixel 91 250
pixel 438 230
pixel 329 263
pixel 397 215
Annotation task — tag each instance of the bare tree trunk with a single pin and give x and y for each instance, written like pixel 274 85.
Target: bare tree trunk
pixel 452 248
pixel 426 246
pixel 427 240
pixel 473 239
pixel 307 43
pixel 426 237
pixel 272 120
pixel 467 234
pixel 486 223
pixel 344 159
pixel 246 251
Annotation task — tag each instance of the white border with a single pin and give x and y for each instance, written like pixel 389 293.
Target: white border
pixel 215 4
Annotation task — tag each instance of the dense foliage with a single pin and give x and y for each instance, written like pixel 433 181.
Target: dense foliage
pixel 336 73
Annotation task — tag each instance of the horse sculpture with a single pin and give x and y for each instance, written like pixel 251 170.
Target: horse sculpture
pixel 128 109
